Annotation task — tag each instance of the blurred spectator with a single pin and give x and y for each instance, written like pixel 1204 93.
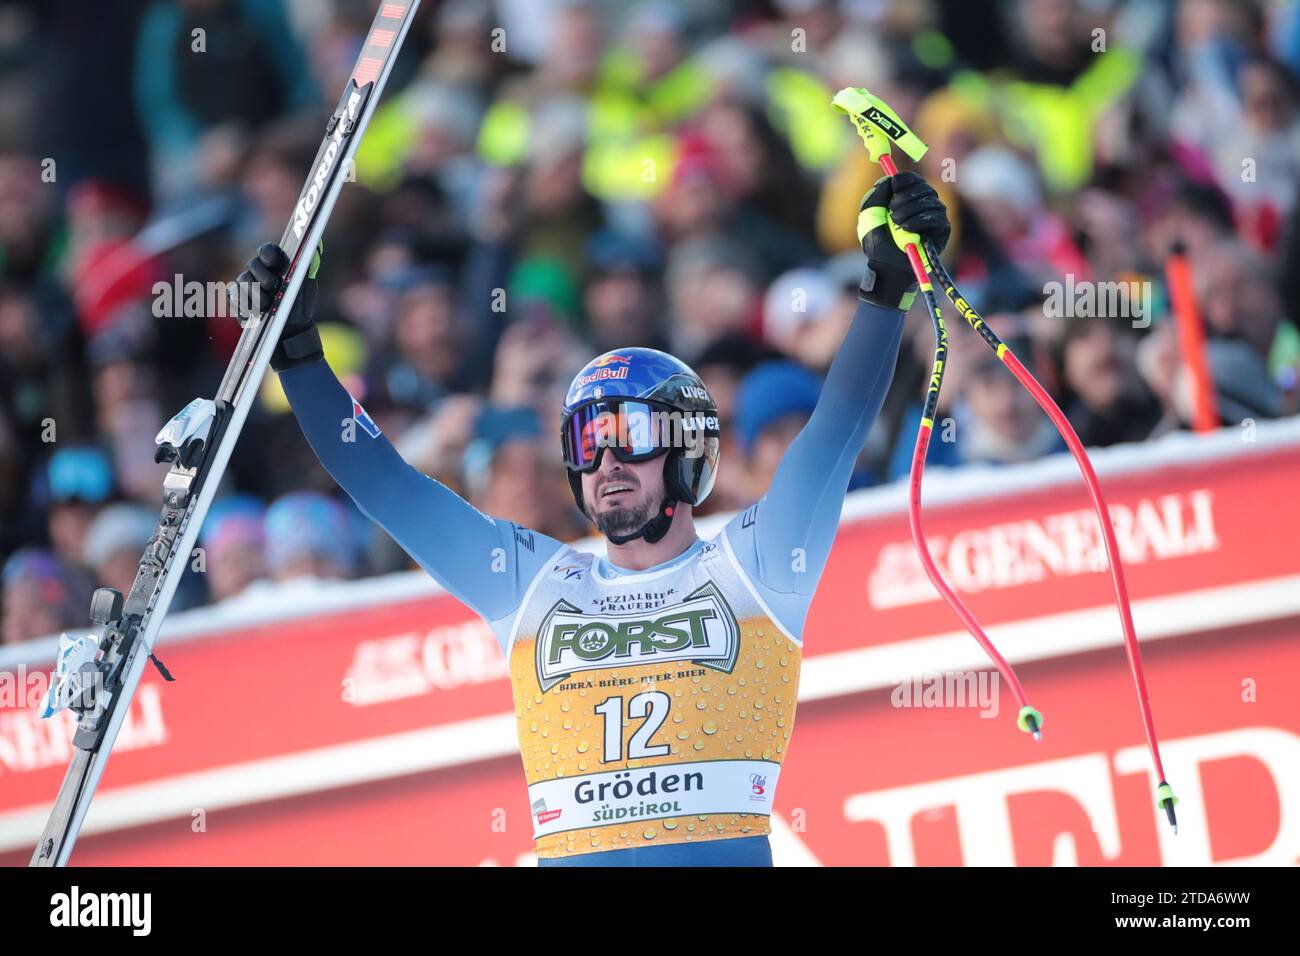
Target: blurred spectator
pixel 42 596
pixel 106 270
pixel 621 299
pixel 436 444
pixel 714 287
pixel 771 203
pixel 78 482
pixel 272 176
pixel 1111 403
pixel 426 341
pixel 1194 214
pixel 773 403
pixel 308 535
pixel 115 543
pixel 236 555
pixel 1238 107
pixel 201 63
pixel 1238 299
pixel 12 479
pixel 1243 389
pixel 233 538
pixel 1002 194
pixel 512 473
pixel 807 312
pixel 535 361
pixel 1243 386
pixel 546 286
pixel 998 421
pixel 42 366
pixel 1059 82
pixel 722 366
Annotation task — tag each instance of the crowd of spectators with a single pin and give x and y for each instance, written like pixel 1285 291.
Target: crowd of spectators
pixel 548 179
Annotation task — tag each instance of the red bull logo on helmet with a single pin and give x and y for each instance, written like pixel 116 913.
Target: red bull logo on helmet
pixel 602 375
pixel 610 359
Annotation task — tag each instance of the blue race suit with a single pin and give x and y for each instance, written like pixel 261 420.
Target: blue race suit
pixel 654 707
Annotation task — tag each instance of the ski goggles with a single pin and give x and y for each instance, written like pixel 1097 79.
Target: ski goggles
pixel 634 430
pixel 80 474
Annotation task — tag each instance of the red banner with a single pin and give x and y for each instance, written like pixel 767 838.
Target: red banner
pixel 380 733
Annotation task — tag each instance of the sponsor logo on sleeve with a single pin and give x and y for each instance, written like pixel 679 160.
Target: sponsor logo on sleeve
pixel 362 418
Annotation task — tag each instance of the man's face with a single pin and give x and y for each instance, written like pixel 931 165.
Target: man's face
pixel 619 306
pixel 235 566
pixel 621 497
pixel 1006 409
pixel 68 525
pixel 519 485
pixel 1238 301
pixel 1095 366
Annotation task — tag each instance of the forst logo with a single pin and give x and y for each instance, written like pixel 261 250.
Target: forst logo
pixel 701 629
pixel 315 189
pixel 596 640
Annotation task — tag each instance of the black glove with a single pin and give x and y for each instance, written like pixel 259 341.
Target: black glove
pixel 259 284
pixel 915 210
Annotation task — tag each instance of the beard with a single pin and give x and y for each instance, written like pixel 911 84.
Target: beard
pixel 621 520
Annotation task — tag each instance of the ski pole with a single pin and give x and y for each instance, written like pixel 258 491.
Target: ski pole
pixel 1191 339
pixel 879 126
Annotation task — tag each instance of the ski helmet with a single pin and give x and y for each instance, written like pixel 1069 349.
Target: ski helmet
pixel 638 404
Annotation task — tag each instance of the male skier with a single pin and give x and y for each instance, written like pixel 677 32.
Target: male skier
pixel 655 687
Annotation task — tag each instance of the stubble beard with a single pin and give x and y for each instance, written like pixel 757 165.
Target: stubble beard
pixel 621 520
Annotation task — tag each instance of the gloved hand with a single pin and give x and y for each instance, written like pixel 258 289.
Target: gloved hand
pixel 898 210
pixel 300 341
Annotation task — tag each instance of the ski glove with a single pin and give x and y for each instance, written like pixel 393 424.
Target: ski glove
pixel 898 210
pixel 300 341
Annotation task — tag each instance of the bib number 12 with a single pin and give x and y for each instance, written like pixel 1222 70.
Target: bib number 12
pixel 652 706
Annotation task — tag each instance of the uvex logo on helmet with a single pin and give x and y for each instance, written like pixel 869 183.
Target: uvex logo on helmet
pixel 694 391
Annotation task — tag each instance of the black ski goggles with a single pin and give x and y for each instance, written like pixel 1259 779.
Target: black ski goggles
pixel 633 429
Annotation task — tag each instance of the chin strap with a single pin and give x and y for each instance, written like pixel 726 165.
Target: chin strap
pixel 654 529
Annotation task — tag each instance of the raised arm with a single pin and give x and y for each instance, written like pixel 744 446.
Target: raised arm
pixel 486 563
pixel 785 539
pixel 795 522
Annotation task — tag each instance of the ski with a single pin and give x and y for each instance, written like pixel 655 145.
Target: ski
pixel 97 684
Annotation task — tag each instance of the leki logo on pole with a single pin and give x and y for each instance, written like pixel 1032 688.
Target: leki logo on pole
pixel 891 129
